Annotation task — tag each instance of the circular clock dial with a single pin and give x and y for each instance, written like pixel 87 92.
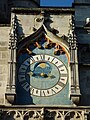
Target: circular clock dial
pixel 44 75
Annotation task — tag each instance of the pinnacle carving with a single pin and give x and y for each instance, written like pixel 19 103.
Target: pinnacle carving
pixel 72 39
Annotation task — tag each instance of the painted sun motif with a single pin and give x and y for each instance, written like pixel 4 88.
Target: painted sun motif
pixel 42 65
pixel 41 69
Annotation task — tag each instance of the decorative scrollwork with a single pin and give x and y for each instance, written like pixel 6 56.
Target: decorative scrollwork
pixel 46 113
pixel 59 115
pixel 50 115
pixel 73 115
pixel 12 115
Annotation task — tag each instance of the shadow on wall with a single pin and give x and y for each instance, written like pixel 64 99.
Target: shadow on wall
pixel 47 22
pixel 84 74
pixel 19 29
pixel 23 96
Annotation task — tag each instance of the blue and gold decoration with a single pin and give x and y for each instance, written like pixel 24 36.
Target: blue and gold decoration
pixel 42 76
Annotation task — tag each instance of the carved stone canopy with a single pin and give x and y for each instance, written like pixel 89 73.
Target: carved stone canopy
pixel 43 31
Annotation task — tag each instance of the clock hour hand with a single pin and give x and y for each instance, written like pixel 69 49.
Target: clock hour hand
pixel 34 74
pixel 31 73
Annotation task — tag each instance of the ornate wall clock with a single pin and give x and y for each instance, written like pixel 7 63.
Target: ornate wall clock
pixel 48 75
pixel 42 73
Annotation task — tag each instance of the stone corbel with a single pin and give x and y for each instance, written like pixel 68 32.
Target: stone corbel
pixel 75 97
pixel 10 97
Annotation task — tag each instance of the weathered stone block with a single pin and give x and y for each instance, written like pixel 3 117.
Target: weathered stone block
pixel 3 43
pixel 3 48
pixel 0 55
pixel 0 84
pixel 3 69
pixel 2 100
pixel 1 77
pixel 4 33
pixel 3 62
pixel 4 55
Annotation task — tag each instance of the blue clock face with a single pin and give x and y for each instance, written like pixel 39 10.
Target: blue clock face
pixel 42 73
pixel 46 74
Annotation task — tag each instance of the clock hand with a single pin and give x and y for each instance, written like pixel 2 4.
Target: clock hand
pixel 31 73
pixel 51 76
pixel 43 75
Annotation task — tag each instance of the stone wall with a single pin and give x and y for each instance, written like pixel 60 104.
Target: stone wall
pixel 26 23
pixel 4 39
